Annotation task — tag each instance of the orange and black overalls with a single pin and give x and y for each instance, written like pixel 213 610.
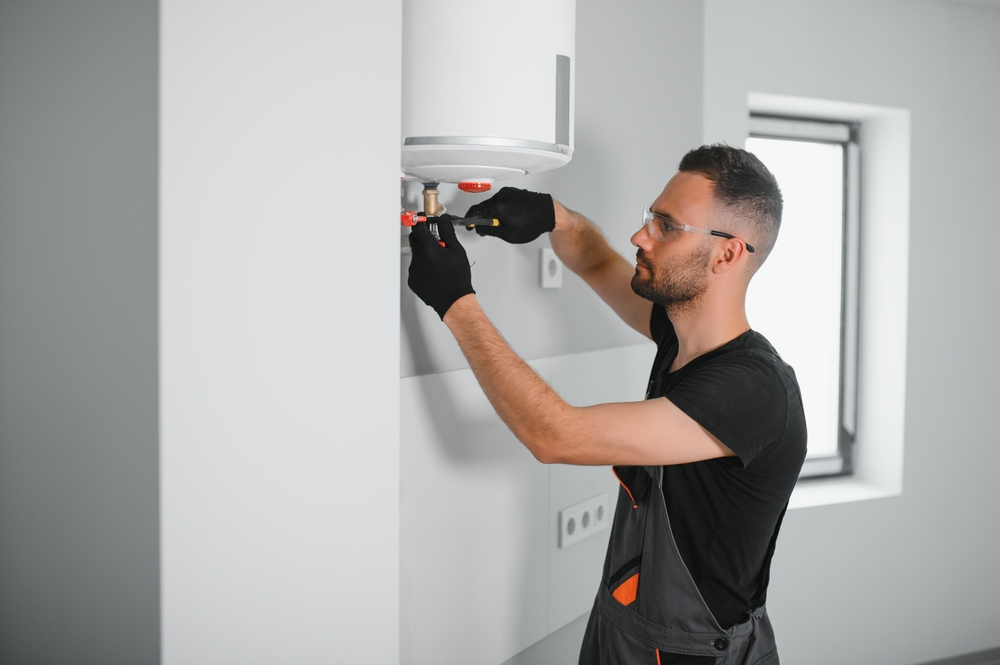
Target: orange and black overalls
pixel 649 604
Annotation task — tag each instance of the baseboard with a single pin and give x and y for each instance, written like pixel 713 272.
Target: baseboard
pixel 563 647
pixel 560 648
pixel 988 657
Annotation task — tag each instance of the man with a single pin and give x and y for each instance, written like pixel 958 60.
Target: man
pixel 708 461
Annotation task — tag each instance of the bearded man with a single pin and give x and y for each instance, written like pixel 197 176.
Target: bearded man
pixel 708 460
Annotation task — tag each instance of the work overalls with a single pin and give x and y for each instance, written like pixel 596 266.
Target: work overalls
pixel 648 601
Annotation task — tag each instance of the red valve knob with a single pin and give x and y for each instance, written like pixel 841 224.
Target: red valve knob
pixel 474 186
pixel 410 218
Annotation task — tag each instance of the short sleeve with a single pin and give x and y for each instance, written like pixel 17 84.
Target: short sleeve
pixel 740 399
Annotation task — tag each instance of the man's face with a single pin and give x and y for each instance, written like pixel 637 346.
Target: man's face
pixel 675 273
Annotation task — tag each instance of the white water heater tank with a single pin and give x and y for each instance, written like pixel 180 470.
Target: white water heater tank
pixel 487 89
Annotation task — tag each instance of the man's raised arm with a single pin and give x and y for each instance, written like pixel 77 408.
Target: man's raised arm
pixel 646 433
pixel 577 242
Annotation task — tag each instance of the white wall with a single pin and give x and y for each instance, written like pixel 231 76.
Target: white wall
pixel 482 570
pixel 78 404
pixel 912 578
pixel 278 326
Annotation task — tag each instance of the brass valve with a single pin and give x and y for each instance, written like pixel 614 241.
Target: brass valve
pixel 432 207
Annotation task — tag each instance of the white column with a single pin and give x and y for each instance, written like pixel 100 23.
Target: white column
pixel 279 331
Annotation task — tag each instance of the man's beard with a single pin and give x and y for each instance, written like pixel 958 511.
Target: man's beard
pixel 676 288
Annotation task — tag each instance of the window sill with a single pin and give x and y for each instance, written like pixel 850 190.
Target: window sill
pixel 828 491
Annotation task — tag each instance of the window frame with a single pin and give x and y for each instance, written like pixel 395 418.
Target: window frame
pixel 846 134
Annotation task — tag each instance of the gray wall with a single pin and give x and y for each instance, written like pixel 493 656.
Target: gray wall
pixel 638 110
pixel 912 578
pixel 78 413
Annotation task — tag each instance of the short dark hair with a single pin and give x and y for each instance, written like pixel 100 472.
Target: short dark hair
pixel 746 188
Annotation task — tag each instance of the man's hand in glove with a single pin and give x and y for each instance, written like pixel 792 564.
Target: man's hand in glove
pixel 439 275
pixel 523 215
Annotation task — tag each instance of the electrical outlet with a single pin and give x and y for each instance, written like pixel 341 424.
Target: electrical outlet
pixel 552 269
pixel 584 519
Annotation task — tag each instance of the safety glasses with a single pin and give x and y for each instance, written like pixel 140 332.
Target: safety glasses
pixel 659 227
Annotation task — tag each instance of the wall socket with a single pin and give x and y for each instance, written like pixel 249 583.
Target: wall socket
pixel 584 519
pixel 551 269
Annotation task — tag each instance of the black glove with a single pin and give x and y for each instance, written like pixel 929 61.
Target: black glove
pixel 439 275
pixel 523 215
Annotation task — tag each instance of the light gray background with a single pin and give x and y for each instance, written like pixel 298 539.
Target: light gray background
pixel 79 561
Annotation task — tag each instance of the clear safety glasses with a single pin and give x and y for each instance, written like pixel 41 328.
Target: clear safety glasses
pixel 660 226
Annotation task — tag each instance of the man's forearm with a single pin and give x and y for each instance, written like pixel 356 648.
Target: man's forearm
pixel 650 432
pixel 529 407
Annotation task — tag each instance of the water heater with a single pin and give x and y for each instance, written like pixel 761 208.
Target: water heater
pixel 487 89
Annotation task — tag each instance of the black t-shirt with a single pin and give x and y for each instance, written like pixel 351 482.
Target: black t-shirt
pixel 725 513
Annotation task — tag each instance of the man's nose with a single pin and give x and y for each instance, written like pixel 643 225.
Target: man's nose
pixel 640 238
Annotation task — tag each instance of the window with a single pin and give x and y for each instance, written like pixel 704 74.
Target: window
pixel 804 299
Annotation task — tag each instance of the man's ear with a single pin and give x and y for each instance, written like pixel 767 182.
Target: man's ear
pixel 728 255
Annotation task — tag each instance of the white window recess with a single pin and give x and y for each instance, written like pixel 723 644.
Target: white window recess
pixel 882 296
